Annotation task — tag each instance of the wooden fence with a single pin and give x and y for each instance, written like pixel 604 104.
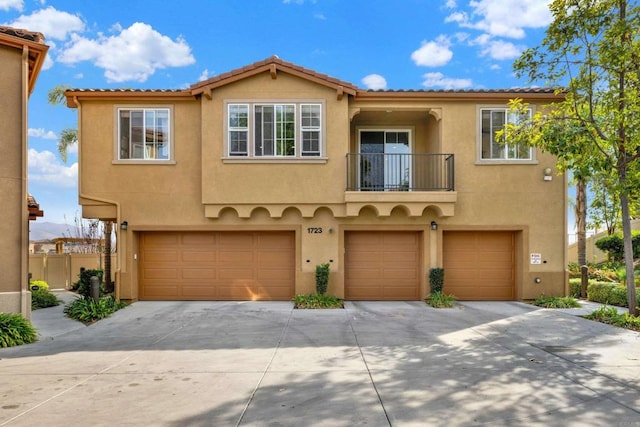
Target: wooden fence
pixel 61 271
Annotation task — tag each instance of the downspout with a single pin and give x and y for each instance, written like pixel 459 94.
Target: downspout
pixel 120 246
pixel 25 294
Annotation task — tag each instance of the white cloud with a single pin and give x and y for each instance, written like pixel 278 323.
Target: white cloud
pixel 320 16
pixel 374 82
pixel 504 18
pixel 501 50
pixel 44 167
pixel 41 133
pixel 439 80
pixel 53 23
pixel 11 4
pixel 133 54
pixel 450 4
pixel 204 75
pixel 434 53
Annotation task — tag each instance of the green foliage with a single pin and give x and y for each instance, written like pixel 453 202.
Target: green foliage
pixel 575 285
pixel 317 301
pixel 609 293
pixel 83 286
pixel 322 278
pixel 610 316
pixel 556 302
pixel 15 330
pixel 613 245
pixel 436 279
pixel 43 298
pixel 439 299
pixel 603 272
pixel 86 310
pixel 40 284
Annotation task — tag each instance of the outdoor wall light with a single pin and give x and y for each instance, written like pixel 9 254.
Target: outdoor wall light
pixel 124 225
pixel 434 225
pixel 537 280
pixel 547 174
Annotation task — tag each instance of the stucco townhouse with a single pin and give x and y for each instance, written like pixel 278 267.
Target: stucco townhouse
pixel 237 187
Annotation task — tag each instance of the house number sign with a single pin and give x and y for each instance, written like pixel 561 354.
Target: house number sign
pixel 314 230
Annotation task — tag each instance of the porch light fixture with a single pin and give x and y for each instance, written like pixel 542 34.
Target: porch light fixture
pixel 124 225
pixel 434 225
pixel 547 174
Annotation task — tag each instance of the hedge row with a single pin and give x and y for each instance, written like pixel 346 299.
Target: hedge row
pixel 603 292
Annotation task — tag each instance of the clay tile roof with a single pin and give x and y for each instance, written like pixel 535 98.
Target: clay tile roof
pixel 19 38
pixel 23 34
pixel 266 65
pixel 34 208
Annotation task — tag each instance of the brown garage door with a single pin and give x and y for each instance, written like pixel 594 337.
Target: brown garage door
pixel 382 265
pixel 217 265
pixel 479 265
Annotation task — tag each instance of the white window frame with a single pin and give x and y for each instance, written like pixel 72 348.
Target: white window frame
pixel 117 159
pixel 504 159
pixel 299 154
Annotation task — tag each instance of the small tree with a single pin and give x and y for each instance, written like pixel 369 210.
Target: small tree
pixel 436 279
pixel 322 278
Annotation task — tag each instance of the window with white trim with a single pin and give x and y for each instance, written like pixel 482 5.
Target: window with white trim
pixel 144 134
pixel 279 130
pixel 493 120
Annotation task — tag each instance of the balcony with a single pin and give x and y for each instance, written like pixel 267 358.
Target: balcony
pixel 414 181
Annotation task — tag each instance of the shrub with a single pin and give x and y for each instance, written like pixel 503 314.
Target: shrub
pixel 609 293
pixel 610 316
pixel 574 287
pixel 556 302
pixel 438 299
pixel 43 298
pixel 86 310
pixel 317 301
pixel 436 279
pixel 83 286
pixel 322 278
pixel 613 245
pixel 15 330
pixel 38 284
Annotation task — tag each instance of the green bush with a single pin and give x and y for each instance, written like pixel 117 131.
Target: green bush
pixel 317 301
pixel 610 316
pixel 86 310
pixel 43 298
pixel 83 286
pixel 438 299
pixel 15 330
pixel 38 284
pixel 609 293
pixel 436 279
pixel 574 287
pixel 556 302
pixel 614 246
pixel 322 278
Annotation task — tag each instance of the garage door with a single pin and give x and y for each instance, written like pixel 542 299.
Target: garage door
pixel 479 265
pixel 382 265
pixel 216 265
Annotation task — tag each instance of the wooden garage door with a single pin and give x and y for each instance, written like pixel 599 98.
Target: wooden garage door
pixel 216 265
pixel 479 265
pixel 382 265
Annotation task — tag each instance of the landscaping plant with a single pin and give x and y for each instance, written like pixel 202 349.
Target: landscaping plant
pixel 439 299
pixel 436 279
pixel 83 285
pixel 556 302
pixel 610 316
pixel 43 298
pixel 317 301
pixel 322 278
pixel 15 330
pixel 86 310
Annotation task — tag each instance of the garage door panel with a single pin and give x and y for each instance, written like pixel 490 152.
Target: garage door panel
pixel 382 265
pixel 479 265
pixel 217 265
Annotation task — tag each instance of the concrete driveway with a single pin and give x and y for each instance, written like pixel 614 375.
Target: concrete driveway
pixel 373 364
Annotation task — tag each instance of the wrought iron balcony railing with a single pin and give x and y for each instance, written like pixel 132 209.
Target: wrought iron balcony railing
pixel 400 172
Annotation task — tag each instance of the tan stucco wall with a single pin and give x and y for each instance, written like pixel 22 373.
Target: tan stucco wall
pixel 13 219
pixel 295 196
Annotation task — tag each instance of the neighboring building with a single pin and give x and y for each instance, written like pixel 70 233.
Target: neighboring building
pixel 236 188
pixel 22 54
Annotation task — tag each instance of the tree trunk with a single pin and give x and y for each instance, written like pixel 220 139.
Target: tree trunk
pixel 581 226
pixel 628 254
pixel 108 284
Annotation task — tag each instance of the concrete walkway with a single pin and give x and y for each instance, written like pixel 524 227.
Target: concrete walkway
pixel 373 364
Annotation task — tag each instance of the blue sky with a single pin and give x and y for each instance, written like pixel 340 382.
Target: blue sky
pixel 390 44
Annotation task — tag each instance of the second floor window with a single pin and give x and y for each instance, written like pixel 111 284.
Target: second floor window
pixel 287 130
pixel 494 120
pixel 143 134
